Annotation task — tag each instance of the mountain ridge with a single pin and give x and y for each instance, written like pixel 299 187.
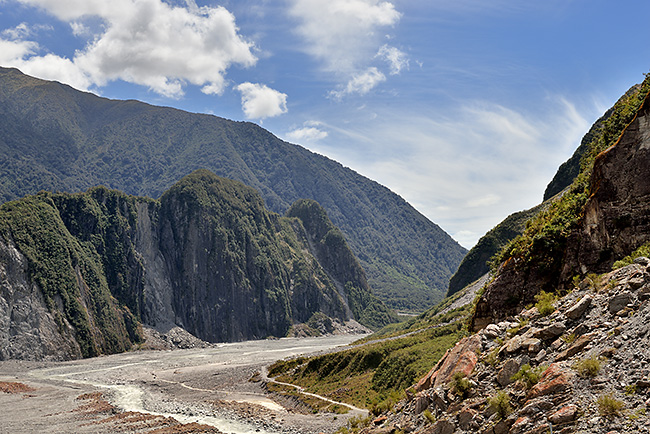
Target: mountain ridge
pixel 56 138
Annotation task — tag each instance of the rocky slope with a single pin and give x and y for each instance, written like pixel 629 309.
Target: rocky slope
pixel 582 368
pixel 55 138
pixel 80 273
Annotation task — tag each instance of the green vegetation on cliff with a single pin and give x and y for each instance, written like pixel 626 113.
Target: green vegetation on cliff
pixel 229 268
pixel 53 137
pixel 544 240
pixel 70 274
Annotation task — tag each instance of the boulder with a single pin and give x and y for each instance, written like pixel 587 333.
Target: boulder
pixel 554 380
pixel 564 415
pixel 462 358
pixel 579 308
pixel 550 332
pixel 619 302
pixel 510 368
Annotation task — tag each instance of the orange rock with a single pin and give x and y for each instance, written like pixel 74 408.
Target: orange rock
pixel 554 380
pixel 461 358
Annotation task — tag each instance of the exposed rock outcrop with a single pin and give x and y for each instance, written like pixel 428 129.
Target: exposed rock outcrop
pixel 613 223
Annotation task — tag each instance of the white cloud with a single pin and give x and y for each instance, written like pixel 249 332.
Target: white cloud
pixel 259 101
pixel 342 34
pixel 397 60
pixel 309 133
pixel 361 83
pixel 146 42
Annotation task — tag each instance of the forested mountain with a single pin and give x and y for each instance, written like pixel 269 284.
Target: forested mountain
pixel 53 137
pixel 80 273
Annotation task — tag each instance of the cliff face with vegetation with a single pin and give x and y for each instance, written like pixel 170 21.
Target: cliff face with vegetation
pixel 600 218
pixel 80 273
pixel 55 138
pixel 476 263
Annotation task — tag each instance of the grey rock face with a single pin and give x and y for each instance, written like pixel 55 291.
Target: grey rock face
pixel 28 330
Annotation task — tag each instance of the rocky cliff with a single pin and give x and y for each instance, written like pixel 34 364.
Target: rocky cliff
pixel 601 218
pixel 80 273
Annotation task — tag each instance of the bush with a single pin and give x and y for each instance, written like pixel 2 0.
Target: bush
pixel 429 416
pixel 500 404
pixel 609 406
pixel 587 368
pixel 545 302
pixel 461 385
pixel 529 376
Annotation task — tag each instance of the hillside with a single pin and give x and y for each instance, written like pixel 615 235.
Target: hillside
pixel 55 138
pixel 81 273
pixel 476 262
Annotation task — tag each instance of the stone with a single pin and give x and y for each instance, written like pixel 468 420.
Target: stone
pixel 554 380
pixel 577 346
pixel 442 427
pixel 378 421
pixel 619 302
pixel 421 403
pixel 521 425
pixel 550 332
pixel 492 331
pixel 564 415
pixel 461 358
pixel 513 345
pixel 578 309
pixel 532 344
pixel 510 368
pixel 465 418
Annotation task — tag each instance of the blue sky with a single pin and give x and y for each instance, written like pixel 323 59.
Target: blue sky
pixel 465 108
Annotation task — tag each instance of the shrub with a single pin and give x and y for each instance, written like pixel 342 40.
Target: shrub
pixel 460 384
pixel 529 376
pixel 492 357
pixel 500 403
pixel 609 406
pixel 545 302
pixel 587 368
pixel 429 416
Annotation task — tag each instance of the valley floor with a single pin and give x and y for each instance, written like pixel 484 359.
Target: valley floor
pixel 194 390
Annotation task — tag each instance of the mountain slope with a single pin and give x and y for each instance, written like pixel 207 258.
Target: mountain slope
pixel 53 137
pixel 79 273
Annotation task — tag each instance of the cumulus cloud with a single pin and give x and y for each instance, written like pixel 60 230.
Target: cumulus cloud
pixel 146 42
pixel 260 101
pixel 310 132
pixel 397 60
pixel 343 34
pixel 360 84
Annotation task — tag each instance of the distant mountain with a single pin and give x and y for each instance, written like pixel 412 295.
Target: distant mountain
pixel 53 137
pixel 81 272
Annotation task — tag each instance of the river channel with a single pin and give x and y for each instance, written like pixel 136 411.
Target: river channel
pixel 182 384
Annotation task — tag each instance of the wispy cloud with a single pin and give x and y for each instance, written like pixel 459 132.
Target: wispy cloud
pixel 342 34
pixel 467 168
pixel 260 101
pixel 146 42
pixel 397 60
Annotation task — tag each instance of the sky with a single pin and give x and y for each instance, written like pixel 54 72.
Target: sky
pixel 465 108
